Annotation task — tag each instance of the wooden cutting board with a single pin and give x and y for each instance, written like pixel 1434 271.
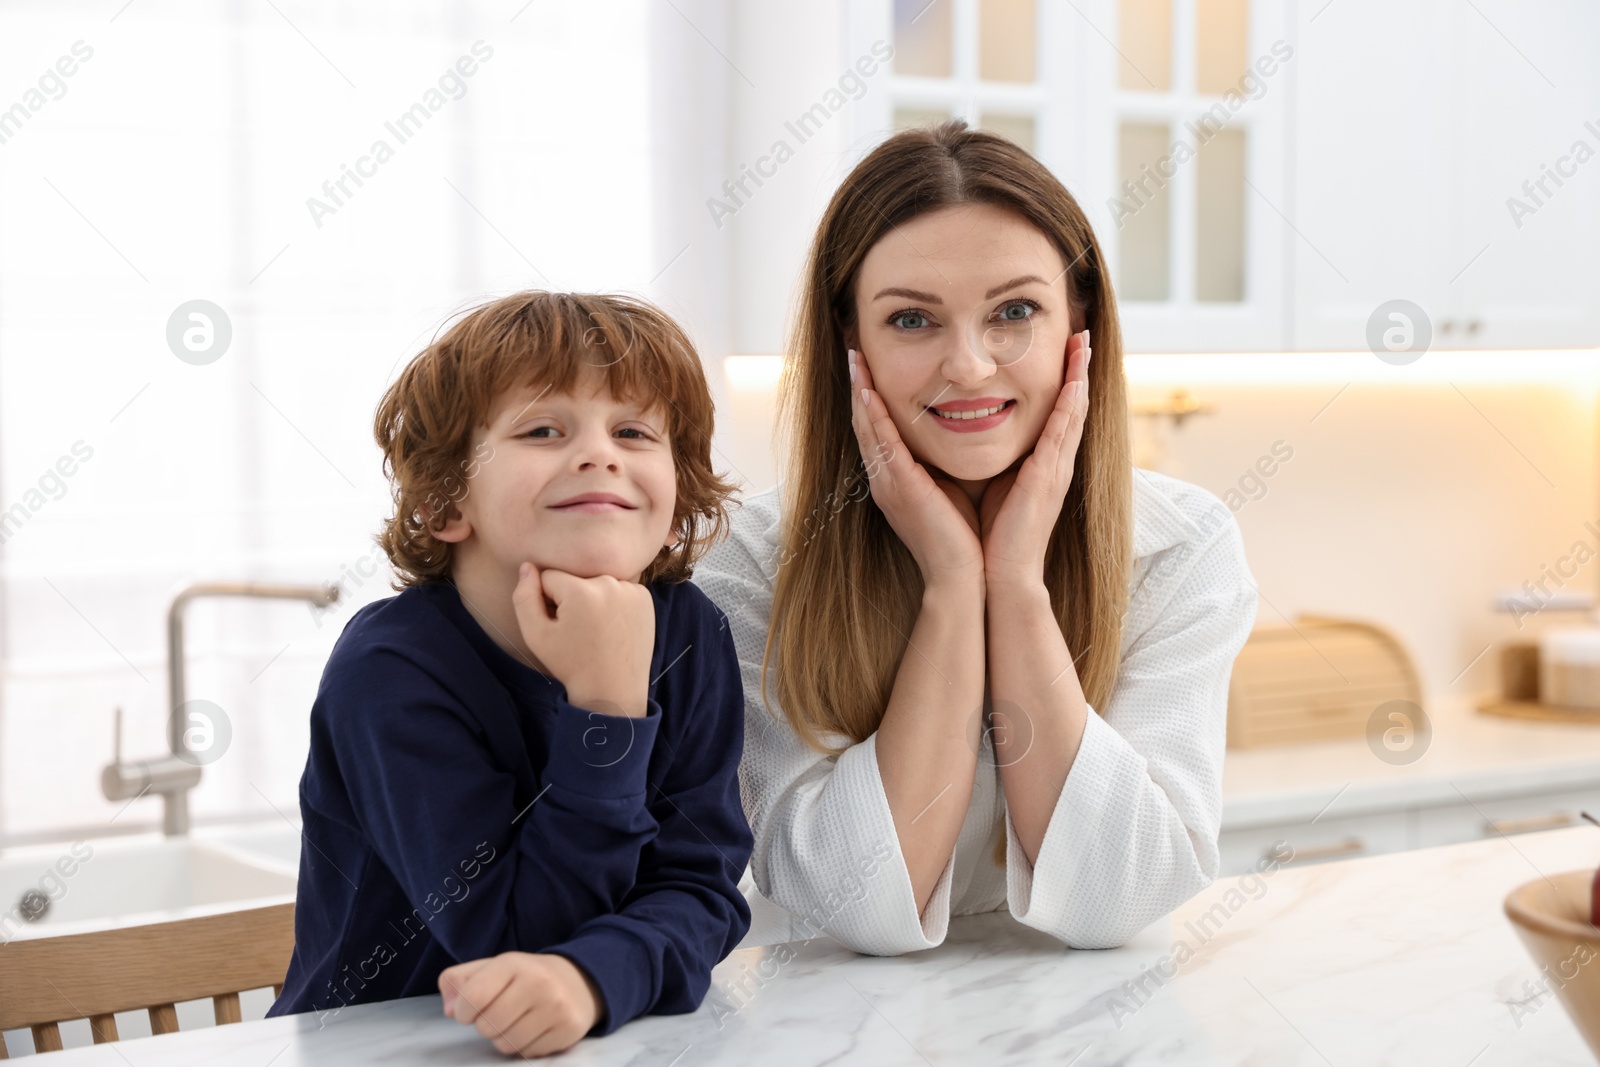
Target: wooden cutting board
pixel 1527 709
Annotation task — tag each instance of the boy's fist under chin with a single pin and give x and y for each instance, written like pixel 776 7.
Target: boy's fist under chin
pixel 532 1004
pixel 596 635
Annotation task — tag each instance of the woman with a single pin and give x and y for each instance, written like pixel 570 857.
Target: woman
pixel 985 660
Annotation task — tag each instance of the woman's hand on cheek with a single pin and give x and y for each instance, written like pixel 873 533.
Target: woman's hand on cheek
pixel 961 502
pixel 922 511
pixel 1021 505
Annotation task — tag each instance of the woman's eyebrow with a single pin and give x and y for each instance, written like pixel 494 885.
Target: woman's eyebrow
pixel 911 294
pixel 930 298
pixel 1012 284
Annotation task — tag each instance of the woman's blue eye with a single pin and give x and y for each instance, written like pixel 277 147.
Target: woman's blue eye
pixel 910 320
pixel 1019 311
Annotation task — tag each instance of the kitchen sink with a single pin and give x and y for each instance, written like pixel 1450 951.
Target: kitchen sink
pixel 74 887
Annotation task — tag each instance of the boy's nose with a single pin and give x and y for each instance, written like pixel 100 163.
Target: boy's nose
pixel 598 450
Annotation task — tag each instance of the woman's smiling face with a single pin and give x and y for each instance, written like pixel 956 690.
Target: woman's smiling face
pixel 962 310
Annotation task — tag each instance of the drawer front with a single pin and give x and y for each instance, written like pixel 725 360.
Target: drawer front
pixel 1319 842
pixel 1452 824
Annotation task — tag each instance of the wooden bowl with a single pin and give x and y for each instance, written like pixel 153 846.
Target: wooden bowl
pixel 1551 915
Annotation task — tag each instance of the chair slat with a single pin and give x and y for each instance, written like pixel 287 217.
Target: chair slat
pixel 46 1038
pixel 225 1006
pixel 104 1028
pixel 4 1055
pixel 163 1018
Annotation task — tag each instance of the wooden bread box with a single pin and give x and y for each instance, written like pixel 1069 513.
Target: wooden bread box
pixel 1319 679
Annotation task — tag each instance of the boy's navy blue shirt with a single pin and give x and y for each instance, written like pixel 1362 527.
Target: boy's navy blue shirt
pixel 456 806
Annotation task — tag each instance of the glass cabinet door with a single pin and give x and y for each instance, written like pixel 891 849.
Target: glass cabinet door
pixel 1164 118
pixel 971 59
pixel 1183 78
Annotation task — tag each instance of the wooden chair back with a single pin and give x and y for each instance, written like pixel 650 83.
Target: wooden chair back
pixel 51 980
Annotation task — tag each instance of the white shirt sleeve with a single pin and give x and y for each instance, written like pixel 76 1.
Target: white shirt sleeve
pixel 825 844
pixel 1134 831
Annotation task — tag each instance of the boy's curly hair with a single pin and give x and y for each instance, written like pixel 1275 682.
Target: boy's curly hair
pixel 536 339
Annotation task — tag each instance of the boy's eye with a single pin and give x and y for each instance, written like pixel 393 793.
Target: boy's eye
pixel 908 320
pixel 626 429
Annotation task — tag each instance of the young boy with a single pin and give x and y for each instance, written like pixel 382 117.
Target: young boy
pixel 522 786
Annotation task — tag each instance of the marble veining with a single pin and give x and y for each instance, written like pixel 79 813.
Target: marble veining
pixel 1403 959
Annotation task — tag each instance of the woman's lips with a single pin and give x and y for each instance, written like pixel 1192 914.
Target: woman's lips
pixel 962 420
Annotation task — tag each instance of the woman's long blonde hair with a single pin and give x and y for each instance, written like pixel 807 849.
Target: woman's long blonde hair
pixel 848 590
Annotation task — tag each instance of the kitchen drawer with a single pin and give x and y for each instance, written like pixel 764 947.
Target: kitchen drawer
pixel 1326 839
pixel 1452 824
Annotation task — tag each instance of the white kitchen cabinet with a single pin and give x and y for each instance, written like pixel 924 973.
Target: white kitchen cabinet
pixel 1492 817
pixel 1385 160
pixel 1408 826
pixel 1525 111
pixel 1329 838
pixel 1371 166
pixel 1190 277
pixel 1482 776
pixel 1200 260
pixel 1415 126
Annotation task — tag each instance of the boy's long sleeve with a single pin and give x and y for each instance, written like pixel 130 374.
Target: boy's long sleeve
pixel 457 806
pixel 684 911
pixel 572 851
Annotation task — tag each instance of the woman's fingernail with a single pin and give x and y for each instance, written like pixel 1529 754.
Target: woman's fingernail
pixel 522 571
pixel 853 373
pixel 863 397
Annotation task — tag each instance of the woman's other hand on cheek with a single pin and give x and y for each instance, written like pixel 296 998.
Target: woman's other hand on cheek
pixel 530 1004
pixel 1021 505
pixel 930 515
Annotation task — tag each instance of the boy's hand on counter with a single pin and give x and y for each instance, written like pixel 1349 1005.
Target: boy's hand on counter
pixel 596 635
pixel 531 1004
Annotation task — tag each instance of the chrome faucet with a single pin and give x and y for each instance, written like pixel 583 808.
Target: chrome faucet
pixel 172 776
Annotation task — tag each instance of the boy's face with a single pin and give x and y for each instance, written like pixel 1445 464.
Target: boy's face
pixel 581 482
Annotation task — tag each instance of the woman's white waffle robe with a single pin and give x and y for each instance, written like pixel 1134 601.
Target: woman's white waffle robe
pixel 1134 832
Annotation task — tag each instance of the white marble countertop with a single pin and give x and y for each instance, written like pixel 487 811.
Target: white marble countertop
pixel 1484 756
pixel 1404 959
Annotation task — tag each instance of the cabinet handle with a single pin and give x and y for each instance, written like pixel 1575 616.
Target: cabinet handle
pixel 1507 827
pixel 1350 846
